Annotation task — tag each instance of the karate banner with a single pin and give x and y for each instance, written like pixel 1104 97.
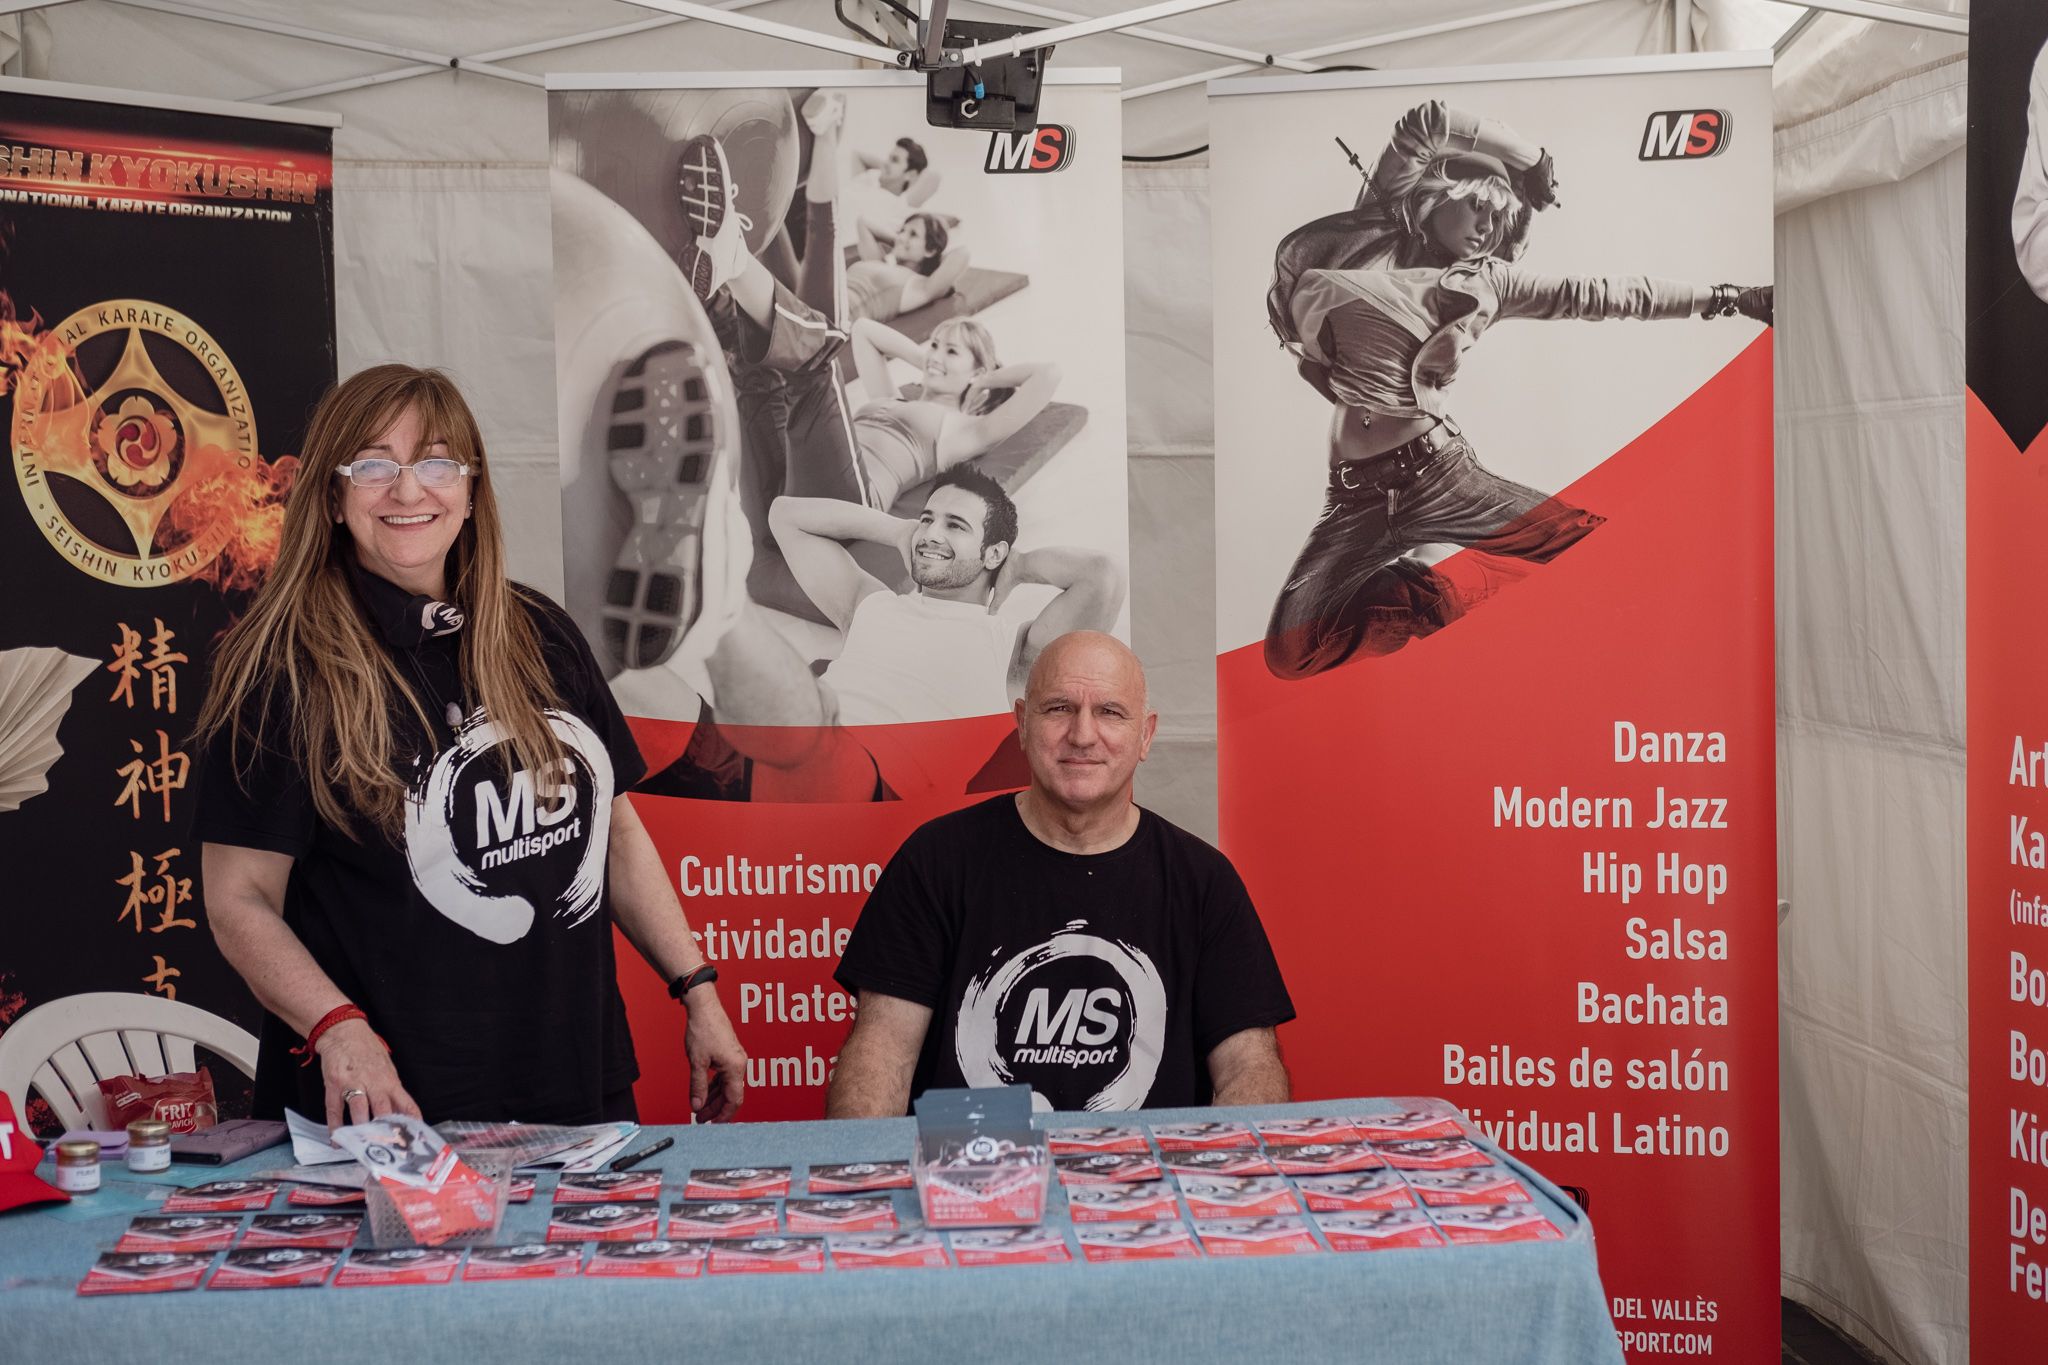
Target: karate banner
pixel 2006 456
pixel 166 324
pixel 1495 655
pixel 842 425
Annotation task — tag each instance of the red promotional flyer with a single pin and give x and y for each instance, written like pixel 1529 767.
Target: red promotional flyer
pixel 2006 447
pixel 1495 668
pixel 790 320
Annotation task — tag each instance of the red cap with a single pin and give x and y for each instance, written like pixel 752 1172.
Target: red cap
pixel 19 1154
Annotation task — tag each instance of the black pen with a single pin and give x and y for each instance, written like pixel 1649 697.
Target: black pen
pixel 635 1158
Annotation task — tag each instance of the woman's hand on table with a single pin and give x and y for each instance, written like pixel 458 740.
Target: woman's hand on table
pixel 718 1064
pixel 362 1082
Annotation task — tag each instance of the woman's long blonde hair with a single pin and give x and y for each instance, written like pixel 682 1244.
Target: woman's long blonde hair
pixel 306 641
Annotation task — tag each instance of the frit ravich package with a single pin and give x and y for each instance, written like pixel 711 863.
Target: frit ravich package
pixel 183 1099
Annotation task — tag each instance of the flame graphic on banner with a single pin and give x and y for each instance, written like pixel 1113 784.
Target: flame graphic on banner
pixel 197 498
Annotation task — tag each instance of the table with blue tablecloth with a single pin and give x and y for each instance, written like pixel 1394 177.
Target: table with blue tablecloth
pixel 1537 1303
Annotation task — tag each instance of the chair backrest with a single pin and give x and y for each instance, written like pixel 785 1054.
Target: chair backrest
pixel 63 1048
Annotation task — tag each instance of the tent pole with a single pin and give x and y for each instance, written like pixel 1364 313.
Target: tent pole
pixel 1316 54
pixel 1795 33
pixel 1909 15
pixel 307 92
pixel 1681 26
pixel 1154 35
pixel 829 42
pixel 1067 33
pixel 311 35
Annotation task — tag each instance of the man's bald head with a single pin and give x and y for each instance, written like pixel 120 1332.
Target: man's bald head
pixel 1085 722
pixel 1093 654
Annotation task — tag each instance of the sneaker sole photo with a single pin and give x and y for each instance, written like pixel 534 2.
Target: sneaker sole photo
pixel 661 440
pixel 704 188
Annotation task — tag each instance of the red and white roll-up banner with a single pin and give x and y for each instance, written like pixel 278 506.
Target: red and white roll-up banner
pixel 790 321
pixel 2006 454
pixel 1493 482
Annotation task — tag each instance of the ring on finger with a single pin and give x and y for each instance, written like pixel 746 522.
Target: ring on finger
pixel 348 1095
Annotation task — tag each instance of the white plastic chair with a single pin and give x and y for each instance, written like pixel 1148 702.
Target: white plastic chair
pixel 63 1048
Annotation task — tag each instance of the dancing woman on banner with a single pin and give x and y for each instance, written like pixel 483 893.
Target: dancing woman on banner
pixel 1379 305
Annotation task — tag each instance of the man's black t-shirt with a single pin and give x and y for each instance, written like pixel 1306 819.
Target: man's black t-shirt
pixel 1100 980
pixel 479 943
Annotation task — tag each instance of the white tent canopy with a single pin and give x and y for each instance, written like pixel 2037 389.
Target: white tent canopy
pixel 443 258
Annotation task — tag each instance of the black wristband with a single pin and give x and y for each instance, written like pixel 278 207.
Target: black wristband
pixel 689 981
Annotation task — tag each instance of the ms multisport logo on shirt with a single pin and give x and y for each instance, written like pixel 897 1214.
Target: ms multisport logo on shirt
pixel 491 852
pixel 1078 1015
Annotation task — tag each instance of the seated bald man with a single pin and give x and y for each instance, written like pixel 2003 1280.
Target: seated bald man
pixel 1064 937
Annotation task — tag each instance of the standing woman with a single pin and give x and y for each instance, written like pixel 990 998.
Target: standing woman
pixel 1379 305
pixel 415 838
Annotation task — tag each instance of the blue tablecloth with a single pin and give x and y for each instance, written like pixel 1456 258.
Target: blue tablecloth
pixel 1530 1304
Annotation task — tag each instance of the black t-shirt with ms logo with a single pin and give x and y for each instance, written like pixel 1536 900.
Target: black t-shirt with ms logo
pixel 1102 981
pixel 479 942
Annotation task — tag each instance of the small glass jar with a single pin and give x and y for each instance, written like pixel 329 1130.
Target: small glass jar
pixel 149 1146
pixel 78 1167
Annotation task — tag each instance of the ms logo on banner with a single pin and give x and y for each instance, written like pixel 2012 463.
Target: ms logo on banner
pixel 1046 148
pixel 1684 135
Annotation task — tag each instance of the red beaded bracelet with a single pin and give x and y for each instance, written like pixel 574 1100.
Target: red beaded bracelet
pixel 339 1014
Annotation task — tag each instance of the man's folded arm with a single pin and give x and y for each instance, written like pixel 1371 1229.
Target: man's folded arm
pixel 872 1080
pixel 1246 1068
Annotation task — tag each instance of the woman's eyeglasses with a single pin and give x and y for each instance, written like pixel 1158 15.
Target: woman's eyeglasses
pixel 435 473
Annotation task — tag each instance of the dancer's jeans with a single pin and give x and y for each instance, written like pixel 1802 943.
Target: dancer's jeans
pixel 1355 589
